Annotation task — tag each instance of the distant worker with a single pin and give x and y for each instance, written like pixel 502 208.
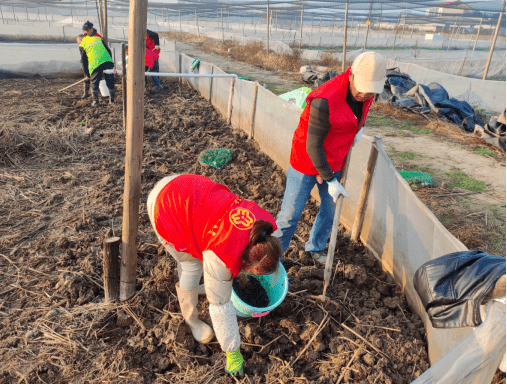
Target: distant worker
pixel 152 55
pixel 205 227
pixel 331 123
pixel 96 60
pixel 88 30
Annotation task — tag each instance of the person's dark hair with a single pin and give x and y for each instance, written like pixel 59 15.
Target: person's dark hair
pixel 262 254
pixel 87 26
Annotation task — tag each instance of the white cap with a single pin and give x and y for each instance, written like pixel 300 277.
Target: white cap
pixel 369 70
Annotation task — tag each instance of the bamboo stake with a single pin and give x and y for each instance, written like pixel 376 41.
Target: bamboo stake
pixel 494 41
pixel 301 29
pixel 267 29
pixel 104 24
pixel 229 107
pixel 124 85
pixel 477 38
pixel 211 84
pixel 334 231
pixel 363 197
pixel 70 86
pixel 345 35
pixel 252 116
pixel 111 269
pixel 134 146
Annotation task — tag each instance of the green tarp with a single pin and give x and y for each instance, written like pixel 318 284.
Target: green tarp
pixel 297 97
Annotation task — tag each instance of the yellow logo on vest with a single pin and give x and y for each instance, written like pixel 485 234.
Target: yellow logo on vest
pixel 242 218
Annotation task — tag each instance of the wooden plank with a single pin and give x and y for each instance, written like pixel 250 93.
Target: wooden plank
pixel 363 197
pixel 111 268
pixel 229 106
pixel 134 146
pixel 252 116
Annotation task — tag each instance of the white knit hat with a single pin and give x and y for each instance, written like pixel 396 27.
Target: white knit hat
pixel 369 70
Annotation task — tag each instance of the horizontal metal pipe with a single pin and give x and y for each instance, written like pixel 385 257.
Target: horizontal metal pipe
pixel 161 74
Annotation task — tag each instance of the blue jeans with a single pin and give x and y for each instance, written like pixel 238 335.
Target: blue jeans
pixel 297 192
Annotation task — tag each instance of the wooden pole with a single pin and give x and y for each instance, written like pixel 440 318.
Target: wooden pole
pixel 332 29
pixel 229 106
pixel 252 116
pixel 301 29
pixel 463 63
pixel 138 10
pixel 197 23
pixel 70 86
pixel 311 28
pixel 494 41
pixel 363 197
pixel 211 84
pixel 334 231
pixel 179 13
pixel 366 36
pixel 222 17
pixel 124 85
pixel 111 269
pixel 267 29
pixel 104 26
pixel 3 22
pixel 478 32
pixel 345 35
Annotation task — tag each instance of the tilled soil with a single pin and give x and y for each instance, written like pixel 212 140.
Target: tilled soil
pixel 61 185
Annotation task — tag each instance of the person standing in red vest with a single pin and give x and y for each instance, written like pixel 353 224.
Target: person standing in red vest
pixel 206 228
pixel 152 54
pixel 331 123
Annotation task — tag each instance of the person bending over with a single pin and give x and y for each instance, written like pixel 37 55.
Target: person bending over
pixel 206 228
pixel 96 60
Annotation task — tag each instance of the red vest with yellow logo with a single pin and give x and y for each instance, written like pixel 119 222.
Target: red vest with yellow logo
pixel 344 126
pixel 195 214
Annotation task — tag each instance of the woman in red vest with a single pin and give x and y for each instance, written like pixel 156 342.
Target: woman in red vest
pixel 205 227
pixel 329 126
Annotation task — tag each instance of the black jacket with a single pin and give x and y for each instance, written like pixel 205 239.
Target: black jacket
pixel 453 286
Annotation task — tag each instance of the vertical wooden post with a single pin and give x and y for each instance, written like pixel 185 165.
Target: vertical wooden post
pixel 124 84
pixel 311 28
pixel 197 23
pixel 334 230
pixel 104 26
pixel 3 22
pixel 26 10
pixel 222 17
pixel 366 36
pixel 301 29
pixel 179 12
pixel 252 116
pixel 494 41
pixel 111 269
pixel 345 35
pixel 363 197
pixel 332 29
pixel 134 146
pixel 267 29
pixel 478 32
pixel 231 96
pixel 463 63
pixel 211 84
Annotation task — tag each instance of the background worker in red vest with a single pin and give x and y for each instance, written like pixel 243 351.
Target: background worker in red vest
pixel 88 30
pixel 97 61
pixel 205 227
pixel 331 123
pixel 153 45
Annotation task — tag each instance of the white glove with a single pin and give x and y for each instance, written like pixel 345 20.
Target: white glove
pixel 335 189
pixel 156 47
pixel 357 139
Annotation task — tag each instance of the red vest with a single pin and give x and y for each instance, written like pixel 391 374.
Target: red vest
pixel 150 57
pixel 344 126
pixel 195 214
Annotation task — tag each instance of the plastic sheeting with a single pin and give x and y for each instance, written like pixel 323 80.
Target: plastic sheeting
pixel 403 92
pixel 475 358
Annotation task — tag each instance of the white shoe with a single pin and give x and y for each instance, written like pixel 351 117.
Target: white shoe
pixel 188 298
pixel 320 257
